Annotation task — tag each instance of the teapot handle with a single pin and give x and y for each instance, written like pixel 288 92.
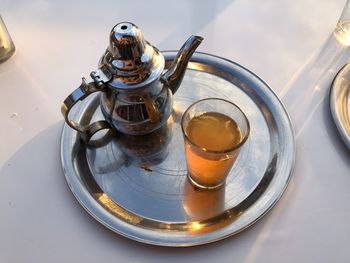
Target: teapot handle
pixel 83 91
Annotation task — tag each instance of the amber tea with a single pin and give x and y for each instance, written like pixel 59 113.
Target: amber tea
pixel 214 132
pixel 212 143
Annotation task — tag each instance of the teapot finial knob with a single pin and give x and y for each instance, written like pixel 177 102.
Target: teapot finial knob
pixel 126 42
pixel 130 59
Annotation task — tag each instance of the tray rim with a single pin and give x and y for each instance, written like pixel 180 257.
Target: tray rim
pixel 198 56
pixel 336 93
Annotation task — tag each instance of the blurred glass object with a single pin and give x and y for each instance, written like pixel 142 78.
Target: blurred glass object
pixel 342 30
pixel 7 48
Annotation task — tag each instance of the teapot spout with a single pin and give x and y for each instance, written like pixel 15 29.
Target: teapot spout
pixel 174 75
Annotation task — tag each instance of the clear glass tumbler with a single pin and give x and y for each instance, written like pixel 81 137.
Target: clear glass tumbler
pixel 342 30
pixel 7 48
pixel 214 131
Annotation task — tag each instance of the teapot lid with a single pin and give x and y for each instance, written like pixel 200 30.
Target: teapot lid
pixel 130 61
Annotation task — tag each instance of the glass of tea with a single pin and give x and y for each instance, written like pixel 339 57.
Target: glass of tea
pixel 214 131
pixel 342 30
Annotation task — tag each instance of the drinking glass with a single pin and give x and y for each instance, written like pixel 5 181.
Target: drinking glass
pixel 7 48
pixel 342 30
pixel 214 131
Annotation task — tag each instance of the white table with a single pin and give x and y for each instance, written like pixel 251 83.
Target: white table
pixel 287 43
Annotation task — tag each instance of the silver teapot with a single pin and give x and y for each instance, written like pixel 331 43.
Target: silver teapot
pixel 136 96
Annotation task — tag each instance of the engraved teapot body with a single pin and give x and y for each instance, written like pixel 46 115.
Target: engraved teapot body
pixel 136 94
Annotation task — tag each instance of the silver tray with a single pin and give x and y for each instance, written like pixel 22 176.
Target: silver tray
pixel 138 187
pixel 340 103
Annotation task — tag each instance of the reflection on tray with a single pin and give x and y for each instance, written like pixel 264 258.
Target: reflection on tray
pixel 143 151
pixel 149 149
pixel 201 204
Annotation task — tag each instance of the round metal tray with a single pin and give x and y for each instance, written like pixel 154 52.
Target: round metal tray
pixel 137 186
pixel 340 103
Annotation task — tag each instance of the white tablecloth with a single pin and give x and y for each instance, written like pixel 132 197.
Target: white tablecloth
pixel 287 43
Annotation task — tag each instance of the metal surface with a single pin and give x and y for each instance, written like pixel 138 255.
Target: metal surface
pixel 7 48
pixel 176 71
pixel 340 103
pixel 79 94
pixel 137 186
pixel 131 60
pixel 137 95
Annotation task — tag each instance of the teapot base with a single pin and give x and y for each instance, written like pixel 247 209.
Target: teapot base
pixel 135 123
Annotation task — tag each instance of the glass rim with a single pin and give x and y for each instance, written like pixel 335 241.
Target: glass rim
pixel 237 146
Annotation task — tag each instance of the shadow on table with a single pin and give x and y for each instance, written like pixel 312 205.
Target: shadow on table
pixel 309 87
pixel 309 90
